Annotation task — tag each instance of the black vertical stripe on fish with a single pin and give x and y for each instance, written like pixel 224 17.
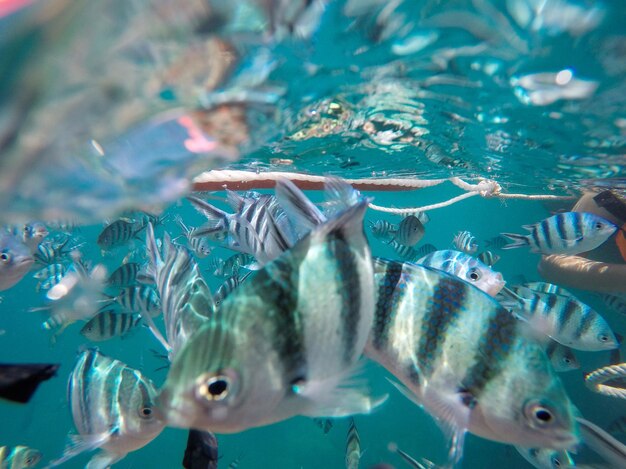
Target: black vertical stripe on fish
pixel 549 303
pixel 445 302
pixel 578 228
pixel 289 336
pixel 535 235
pixel 84 383
pixel 545 230
pixel 385 301
pixel 351 308
pixel 493 349
pixel 566 313
pixel 561 229
pixel 585 324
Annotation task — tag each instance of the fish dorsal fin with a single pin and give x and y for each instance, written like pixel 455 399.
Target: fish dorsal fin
pixel 339 196
pixel 297 206
pixel 529 227
pixel 216 217
pixel 235 201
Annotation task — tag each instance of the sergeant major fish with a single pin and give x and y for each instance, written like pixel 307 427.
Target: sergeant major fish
pixel 353 447
pixel 108 324
pixel 464 241
pixel 565 233
pixel 410 231
pixel 119 232
pixel 272 351
pixel 112 408
pixel 466 360
pixel 124 276
pixel 466 268
pixel 18 457
pixel 15 260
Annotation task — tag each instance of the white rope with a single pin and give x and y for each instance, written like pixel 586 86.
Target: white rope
pixel 596 379
pixel 407 211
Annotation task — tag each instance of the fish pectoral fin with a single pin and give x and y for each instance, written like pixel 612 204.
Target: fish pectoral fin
pixel 337 396
pixel 80 443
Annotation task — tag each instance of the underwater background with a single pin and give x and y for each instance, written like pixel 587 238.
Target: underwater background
pixel 356 89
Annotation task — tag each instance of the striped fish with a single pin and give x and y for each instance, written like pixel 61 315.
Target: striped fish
pixel 546 458
pixel 466 268
pixel 410 231
pixel 497 242
pixel 353 447
pixel 466 360
pixel 488 258
pixel 108 324
pixel 112 407
pixel 409 254
pixel 564 233
pixel 466 242
pixel 53 250
pixel 50 271
pixel 226 288
pixel 230 267
pixel 260 227
pixel 616 302
pixel 124 276
pixel 186 299
pixel 544 287
pixel 564 319
pixel 198 244
pixel 142 299
pixel 273 351
pixel 119 232
pixel 561 357
pixel 18 457
pixel 382 229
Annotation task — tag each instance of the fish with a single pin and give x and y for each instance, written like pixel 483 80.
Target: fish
pixel 198 244
pixel 53 250
pixel 568 233
pixel 112 408
pixel 324 424
pixel 15 260
pixel 143 299
pixel 48 283
pixel 545 287
pixel 186 299
pixel 50 270
pixel 260 227
pixel 225 289
pixel 119 232
pixel 410 231
pixel 108 324
pixel 382 229
pixel 353 447
pixel 466 268
pixel 201 451
pixel 230 266
pixel 488 258
pixel 561 357
pixel 18 382
pixel 268 354
pixel 466 360
pixel 19 457
pixel 546 458
pixel 411 254
pixel 124 276
pixel 615 302
pixel 33 234
pixel 497 242
pixel 562 318
pixel 464 241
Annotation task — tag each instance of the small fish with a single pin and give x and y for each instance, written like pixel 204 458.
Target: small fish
pixel 33 234
pixel 561 357
pixel 466 268
pixel 565 233
pixel 546 458
pixel 142 299
pixel 458 352
pixel 119 232
pixel 464 241
pixel 410 254
pixel 15 260
pixel 124 276
pixel 108 324
pixel 324 424
pixel 201 451
pixel 18 382
pixel 497 242
pixel 198 244
pixel 112 407
pixel 18 457
pixel 615 302
pixel 230 267
pixel 51 270
pixel 382 229
pixel 488 258
pixel 410 231
pixel 353 447
pixel 267 355
pixel 564 319
pixel 544 287
pixel 53 250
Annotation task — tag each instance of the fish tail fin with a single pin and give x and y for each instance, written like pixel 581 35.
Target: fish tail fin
pixel 297 205
pixel 216 217
pixel 518 240
pixel 234 200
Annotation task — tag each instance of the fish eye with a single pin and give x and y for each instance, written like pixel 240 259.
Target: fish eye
pixel 145 412
pixel 603 338
pixel 5 257
pixel 473 274
pixel 214 388
pixel 567 360
pixel 599 225
pixel 539 414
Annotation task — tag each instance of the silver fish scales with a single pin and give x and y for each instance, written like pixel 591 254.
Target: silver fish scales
pixel 466 360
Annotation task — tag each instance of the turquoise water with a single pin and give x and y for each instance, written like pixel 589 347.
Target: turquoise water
pixel 454 107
